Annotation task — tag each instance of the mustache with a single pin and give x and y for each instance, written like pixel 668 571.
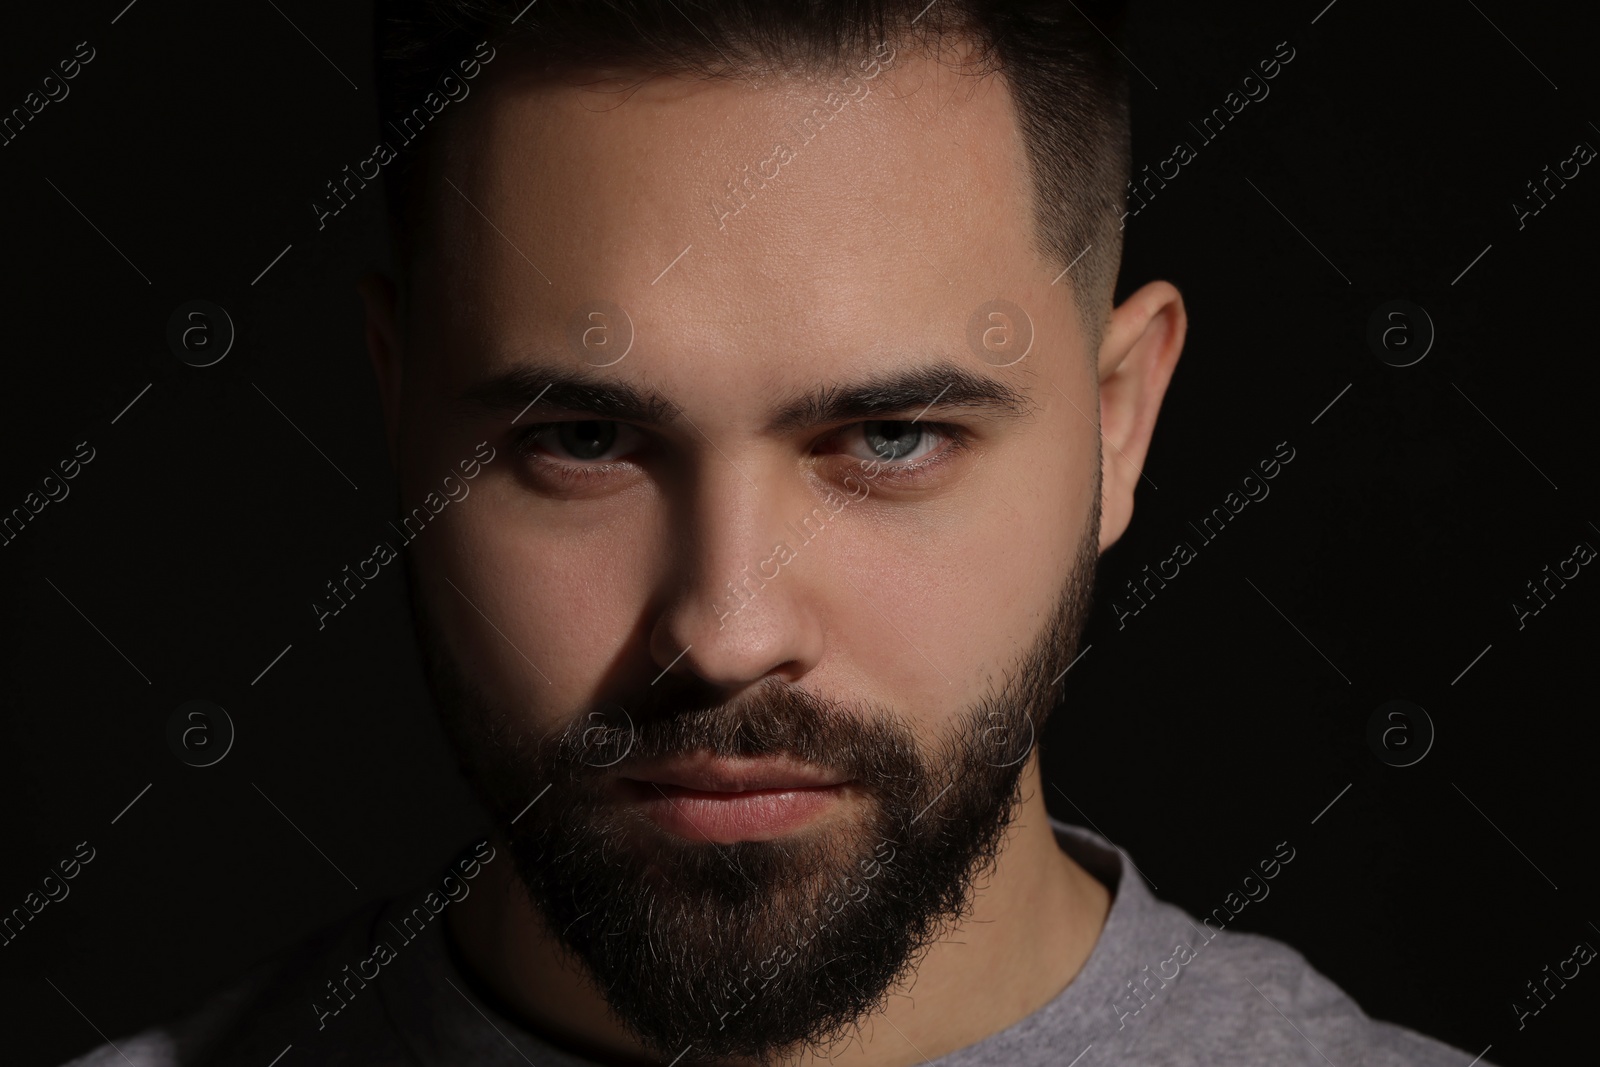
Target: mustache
pixel 872 745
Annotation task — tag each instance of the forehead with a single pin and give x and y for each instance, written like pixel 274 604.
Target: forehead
pixel 746 227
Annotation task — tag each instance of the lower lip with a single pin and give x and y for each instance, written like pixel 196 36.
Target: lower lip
pixel 723 818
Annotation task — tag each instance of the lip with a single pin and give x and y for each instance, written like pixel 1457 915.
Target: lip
pixel 706 773
pixel 707 798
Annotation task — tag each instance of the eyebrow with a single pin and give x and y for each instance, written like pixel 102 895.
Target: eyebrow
pixel 943 384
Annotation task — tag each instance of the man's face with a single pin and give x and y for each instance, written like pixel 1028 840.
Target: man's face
pixel 727 572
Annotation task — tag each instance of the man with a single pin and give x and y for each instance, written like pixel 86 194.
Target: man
pixel 746 374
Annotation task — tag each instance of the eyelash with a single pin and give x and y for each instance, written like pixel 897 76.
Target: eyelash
pixel 955 441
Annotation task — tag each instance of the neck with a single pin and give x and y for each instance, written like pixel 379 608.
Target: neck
pixel 1031 926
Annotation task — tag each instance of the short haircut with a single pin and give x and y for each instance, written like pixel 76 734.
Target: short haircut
pixel 1068 83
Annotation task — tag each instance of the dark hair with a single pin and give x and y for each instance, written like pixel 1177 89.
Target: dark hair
pixel 1067 80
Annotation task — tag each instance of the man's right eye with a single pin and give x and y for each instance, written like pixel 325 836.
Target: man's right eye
pixel 588 441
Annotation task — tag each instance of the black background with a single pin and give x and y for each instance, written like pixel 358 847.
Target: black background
pixel 1220 720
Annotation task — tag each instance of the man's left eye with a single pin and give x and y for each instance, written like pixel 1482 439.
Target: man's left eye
pixel 892 441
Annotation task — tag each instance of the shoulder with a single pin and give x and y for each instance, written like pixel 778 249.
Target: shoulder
pixel 149 1048
pixel 1246 998
pixel 191 1038
pixel 260 1014
pixel 1184 991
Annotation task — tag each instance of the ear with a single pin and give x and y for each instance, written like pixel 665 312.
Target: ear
pixel 1142 342
pixel 383 348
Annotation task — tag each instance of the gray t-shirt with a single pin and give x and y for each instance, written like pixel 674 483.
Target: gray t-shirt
pixel 1159 988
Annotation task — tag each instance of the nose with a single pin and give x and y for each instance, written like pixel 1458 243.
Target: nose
pixel 742 599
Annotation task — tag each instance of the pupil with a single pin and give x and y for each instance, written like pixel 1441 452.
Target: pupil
pixel 587 440
pixel 891 440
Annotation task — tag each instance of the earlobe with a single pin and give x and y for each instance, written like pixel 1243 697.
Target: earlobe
pixel 1141 348
pixel 384 350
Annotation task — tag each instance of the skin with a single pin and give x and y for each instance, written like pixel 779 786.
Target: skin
pixel 869 252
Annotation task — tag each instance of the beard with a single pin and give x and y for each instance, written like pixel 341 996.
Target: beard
pixel 756 950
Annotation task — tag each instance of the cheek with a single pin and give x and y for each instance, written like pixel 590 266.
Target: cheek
pixel 887 594
pixel 966 588
pixel 1017 539
pixel 557 608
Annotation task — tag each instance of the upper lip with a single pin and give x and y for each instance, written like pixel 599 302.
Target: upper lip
pixel 722 774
